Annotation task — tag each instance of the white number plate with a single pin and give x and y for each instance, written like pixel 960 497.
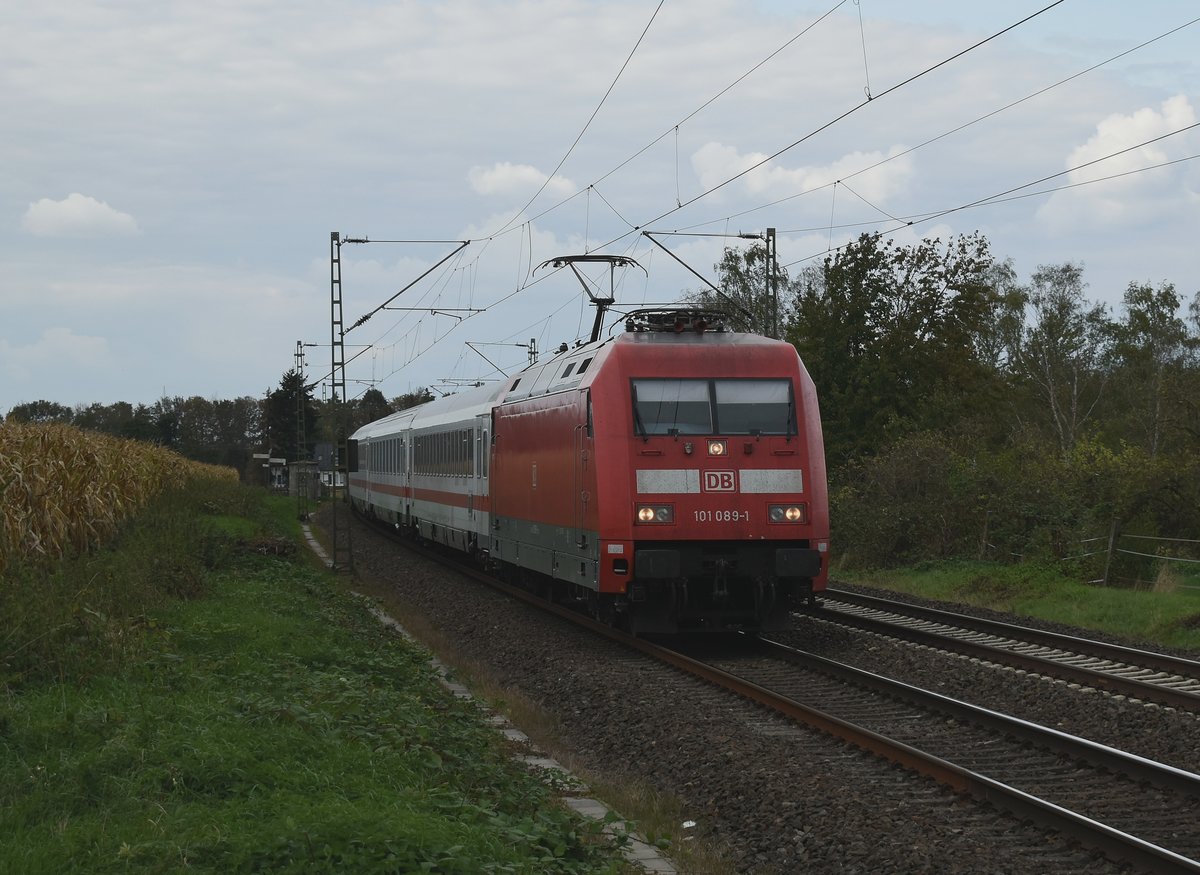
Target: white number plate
pixel 721 516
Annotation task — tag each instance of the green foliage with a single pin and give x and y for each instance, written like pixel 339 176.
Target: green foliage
pixel 412 399
pixel 281 416
pixel 929 496
pixel 968 415
pixel 272 725
pixel 40 411
pixel 90 612
pixel 891 335
pixel 370 407
pixel 1062 352
pixel 745 297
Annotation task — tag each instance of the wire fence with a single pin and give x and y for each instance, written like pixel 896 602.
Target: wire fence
pixel 1163 559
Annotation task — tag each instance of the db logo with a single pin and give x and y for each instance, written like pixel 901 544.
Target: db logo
pixel 720 481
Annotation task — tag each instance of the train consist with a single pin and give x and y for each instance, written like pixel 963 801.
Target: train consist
pixel 667 478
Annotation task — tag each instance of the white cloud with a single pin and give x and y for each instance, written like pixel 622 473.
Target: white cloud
pixel 59 349
pixel 77 215
pixel 504 178
pixel 1122 131
pixel 1135 198
pixel 715 162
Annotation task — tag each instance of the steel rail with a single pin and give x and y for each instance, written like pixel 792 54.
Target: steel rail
pixel 1116 760
pixel 1116 844
pixel 1089 646
pixel 1109 682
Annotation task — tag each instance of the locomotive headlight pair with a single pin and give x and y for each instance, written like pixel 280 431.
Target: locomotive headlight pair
pixel 655 513
pixel 788 513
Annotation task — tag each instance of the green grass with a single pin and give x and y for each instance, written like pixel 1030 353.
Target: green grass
pixel 1168 618
pixel 269 724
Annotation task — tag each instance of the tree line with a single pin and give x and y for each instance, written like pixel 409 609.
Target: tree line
pixel 969 412
pixel 227 432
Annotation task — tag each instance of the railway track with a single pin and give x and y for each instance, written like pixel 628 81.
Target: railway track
pixel 1130 809
pixel 1164 679
pixel 1123 804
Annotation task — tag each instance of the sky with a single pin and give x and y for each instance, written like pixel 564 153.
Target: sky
pixel 172 172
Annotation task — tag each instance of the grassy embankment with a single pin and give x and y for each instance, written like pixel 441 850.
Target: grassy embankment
pixel 195 694
pixel 1169 614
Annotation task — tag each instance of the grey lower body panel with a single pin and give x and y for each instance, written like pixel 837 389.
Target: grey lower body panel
pixel 566 554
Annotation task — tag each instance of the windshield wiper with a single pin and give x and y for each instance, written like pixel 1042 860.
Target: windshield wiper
pixel 637 421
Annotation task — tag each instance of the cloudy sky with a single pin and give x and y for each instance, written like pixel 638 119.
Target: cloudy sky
pixel 172 171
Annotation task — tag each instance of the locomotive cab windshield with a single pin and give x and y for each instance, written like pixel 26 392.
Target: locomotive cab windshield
pixel 715 406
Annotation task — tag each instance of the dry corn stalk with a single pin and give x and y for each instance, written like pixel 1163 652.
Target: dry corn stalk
pixel 64 490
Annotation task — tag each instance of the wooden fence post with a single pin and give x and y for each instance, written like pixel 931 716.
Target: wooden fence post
pixel 1112 543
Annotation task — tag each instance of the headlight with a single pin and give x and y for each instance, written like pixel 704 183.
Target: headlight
pixel 718 448
pixel 788 513
pixel 655 513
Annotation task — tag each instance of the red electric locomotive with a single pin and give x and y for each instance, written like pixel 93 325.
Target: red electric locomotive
pixel 669 478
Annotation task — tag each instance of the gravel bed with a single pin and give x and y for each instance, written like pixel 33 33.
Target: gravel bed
pixel 1149 730
pixel 1152 731
pixel 780 799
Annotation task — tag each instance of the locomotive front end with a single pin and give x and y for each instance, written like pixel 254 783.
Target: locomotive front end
pixel 725 501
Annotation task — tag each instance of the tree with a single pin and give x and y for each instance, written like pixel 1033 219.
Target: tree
pixel 1063 351
pixel 40 411
pixel 744 298
pixel 280 415
pixel 1151 349
pixel 411 399
pixel 120 419
pixel 892 336
pixel 370 407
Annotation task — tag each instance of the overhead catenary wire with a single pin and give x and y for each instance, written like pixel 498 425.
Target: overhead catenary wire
pixel 527 226
pixel 796 143
pixel 586 125
pixel 684 120
pixel 1001 197
pixel 954 130
pixel 528 283
pixel 846 114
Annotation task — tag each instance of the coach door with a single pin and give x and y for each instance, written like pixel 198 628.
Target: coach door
pixel 476 485
pixel 583 458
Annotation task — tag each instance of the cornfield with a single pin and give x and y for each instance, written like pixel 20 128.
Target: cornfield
pixel 64 491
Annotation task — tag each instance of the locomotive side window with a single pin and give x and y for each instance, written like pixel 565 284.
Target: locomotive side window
pixel 672 407
pixel 755 407
pixel 583 367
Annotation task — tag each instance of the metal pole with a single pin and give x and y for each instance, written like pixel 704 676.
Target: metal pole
pixel 773 282
pixel 343 558
pixel 300 460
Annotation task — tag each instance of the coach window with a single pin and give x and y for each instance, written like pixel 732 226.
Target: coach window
pixel 754 406
pixel 486 449
pixel 672 407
